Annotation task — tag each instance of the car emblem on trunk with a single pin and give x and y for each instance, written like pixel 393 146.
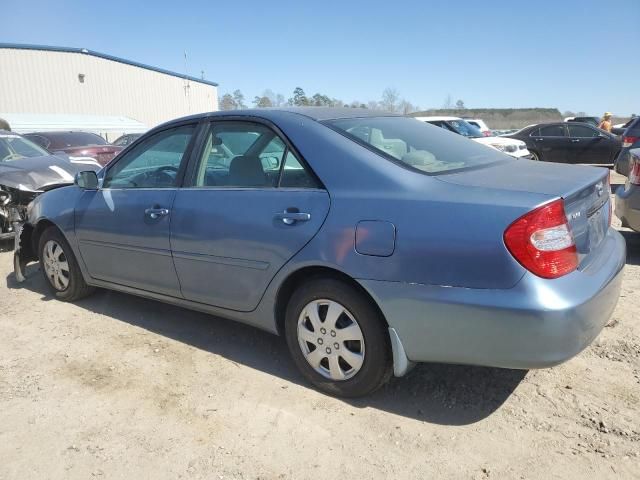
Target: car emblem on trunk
pixel 599 189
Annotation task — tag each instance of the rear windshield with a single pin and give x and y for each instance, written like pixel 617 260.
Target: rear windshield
pixel 74 139
pixel 416 144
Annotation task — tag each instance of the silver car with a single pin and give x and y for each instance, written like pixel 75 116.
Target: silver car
pixel 370 241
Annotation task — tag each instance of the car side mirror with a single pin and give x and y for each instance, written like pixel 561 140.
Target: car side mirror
pixel 87 180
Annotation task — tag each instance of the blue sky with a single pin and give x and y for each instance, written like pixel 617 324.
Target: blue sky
pixel 572 54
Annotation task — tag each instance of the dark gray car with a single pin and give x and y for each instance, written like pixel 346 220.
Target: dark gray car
pixel 569 142
pixel 628 198
pixel 630 139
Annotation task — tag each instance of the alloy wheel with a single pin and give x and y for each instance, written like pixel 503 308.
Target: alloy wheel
pixel 331 339
pixel 56 266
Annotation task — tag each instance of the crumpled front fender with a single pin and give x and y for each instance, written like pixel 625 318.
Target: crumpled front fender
pixel 23 251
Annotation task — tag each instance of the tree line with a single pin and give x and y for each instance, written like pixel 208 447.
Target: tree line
pixel 390 101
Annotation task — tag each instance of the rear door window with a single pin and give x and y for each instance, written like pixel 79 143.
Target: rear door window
pixel 249 155
pixel 582 131
pixel 552 131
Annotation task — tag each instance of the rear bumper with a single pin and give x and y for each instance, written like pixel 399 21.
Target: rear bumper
pixel 628 206
pixel 538 323
pixel 521 154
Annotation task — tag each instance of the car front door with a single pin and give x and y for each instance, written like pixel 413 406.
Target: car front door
pixel 123 227
pixel 552 143
pixel 590 145
pixel 252 204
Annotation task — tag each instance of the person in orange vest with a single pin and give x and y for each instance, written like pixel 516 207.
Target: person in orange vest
pixel 605 123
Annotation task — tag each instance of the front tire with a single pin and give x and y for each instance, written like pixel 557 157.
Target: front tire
pixel 60 267
pixel 337 338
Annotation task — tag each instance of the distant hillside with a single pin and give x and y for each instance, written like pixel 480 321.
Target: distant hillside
pixel 500 118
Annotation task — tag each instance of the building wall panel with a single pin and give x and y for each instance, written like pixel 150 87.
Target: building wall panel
pixel 41 81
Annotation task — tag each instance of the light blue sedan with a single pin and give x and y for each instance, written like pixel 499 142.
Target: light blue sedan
pixel 370 241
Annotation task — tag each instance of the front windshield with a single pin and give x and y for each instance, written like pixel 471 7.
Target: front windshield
pixel 15 147
pixel 416 144
pixel 465 128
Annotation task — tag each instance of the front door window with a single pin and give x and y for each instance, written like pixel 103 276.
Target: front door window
pixel 154 163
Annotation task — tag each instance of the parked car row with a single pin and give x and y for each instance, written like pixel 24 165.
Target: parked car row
pixel 570 142
pixel 78 145
pixel 513 148
pixel 370 241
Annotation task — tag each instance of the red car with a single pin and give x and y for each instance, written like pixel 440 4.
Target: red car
pixel 76 144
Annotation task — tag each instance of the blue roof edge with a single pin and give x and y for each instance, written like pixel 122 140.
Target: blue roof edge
pixel 49 48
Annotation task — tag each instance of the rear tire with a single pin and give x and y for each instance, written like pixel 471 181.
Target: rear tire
pixel 60 267
pixel 344 350
pixel 535 156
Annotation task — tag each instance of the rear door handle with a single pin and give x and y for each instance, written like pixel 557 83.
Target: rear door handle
pixel 575 140
pixel 289 218
pixel 156 212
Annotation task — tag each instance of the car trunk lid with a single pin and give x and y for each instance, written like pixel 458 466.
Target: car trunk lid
pixel 585 191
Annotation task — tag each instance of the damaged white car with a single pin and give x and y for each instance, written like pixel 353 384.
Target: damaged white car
pixel 26 170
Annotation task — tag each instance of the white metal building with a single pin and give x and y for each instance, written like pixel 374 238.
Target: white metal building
pixel 79 83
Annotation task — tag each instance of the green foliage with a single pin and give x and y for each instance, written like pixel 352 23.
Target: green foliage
pixel 299 98
pixel 227 102
pixel 262 102
pixel 238 97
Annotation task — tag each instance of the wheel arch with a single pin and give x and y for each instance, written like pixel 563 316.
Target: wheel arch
pixel 36 233
pixel 304 274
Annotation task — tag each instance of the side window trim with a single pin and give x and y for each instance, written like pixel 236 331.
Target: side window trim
pixel 593 131
pixel 563 127
pixel 184 163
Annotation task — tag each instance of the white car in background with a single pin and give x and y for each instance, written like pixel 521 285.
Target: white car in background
pixel 479 123
pixel 510 146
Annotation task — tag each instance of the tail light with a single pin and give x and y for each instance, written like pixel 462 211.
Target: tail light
pixel 542 242
pixel 487 133
pixel 634 170
pixel 627 141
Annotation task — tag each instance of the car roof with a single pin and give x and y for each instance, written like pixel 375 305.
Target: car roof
pixel 444 119
pixel 56 134
pixel 314 113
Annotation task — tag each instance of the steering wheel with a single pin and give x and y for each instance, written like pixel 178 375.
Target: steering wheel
pixel 167 168
pixel 12 156
pixel 157 177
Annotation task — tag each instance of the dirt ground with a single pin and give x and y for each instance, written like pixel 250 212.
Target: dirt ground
pixel 120 387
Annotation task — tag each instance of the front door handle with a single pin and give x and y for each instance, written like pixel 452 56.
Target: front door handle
pixel 575 140
pixel 156 212
pixel 289 218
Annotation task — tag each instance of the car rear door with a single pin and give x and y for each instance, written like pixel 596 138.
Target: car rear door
pixel 552 143
pixel 252 204
pixel 123 227
pixel 589 145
